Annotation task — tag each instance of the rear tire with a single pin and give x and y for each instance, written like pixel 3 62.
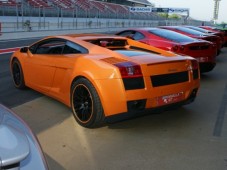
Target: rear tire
pixel 86 105
pixel 17 73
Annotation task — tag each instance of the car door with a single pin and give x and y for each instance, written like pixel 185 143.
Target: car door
pixel 65 65
pixel 40 63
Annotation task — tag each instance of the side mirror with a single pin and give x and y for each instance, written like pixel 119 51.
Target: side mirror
pixel 24 50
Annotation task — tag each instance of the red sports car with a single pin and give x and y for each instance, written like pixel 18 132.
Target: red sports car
pixel 215 29
pixel 203 51
pixel 217 33
pixel 196 34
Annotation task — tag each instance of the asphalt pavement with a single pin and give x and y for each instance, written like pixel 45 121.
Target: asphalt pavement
pixel 5 36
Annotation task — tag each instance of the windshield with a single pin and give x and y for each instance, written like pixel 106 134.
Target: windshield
pixel 171 35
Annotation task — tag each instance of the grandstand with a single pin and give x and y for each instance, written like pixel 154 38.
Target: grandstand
pixel 60 15
pixel 142 3
pixel 76 8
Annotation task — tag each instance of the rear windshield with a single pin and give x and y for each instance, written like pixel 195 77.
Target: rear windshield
pixel 131 53
pixel 171 35
pixel 189 31
pixel 199 29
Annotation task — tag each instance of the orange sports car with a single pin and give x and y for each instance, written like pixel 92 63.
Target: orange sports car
pixel 100 76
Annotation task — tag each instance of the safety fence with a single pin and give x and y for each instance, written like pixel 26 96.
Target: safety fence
pixel 14 24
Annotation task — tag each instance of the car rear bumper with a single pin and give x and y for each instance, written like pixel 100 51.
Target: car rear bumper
pixel 140 110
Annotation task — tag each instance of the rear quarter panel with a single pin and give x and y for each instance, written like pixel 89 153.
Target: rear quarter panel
pixel 107 81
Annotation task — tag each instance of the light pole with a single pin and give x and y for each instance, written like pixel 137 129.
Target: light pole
pixel 216 10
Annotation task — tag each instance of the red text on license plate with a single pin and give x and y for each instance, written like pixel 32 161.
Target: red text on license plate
pixel 168 99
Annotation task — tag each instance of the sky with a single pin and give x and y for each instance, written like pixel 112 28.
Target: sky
pixel 199 9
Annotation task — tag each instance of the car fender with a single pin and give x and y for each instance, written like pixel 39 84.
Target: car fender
pixel 107 81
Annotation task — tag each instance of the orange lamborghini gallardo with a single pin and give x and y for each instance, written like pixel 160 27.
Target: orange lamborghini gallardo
pixel 102 76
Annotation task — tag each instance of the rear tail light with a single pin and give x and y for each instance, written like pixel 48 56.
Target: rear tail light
pixel 195 64
pixel 176 48
pixel 129 70
pixel 214 45
pixel 181 48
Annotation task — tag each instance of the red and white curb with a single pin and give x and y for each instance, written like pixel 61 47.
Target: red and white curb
pixel 9 50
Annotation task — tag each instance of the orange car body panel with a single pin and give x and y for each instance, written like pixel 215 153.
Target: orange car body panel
pixel 53 77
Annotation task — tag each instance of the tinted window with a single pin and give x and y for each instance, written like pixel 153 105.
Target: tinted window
pixel 171 35
pixel 134 34
pixel 138 36
pixel 32 48
pixel 125 33
pixel 189 31
pixel 72 48
pixel 51 46
pixel 57 46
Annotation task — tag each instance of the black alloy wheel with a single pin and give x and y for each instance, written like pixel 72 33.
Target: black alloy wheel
pixel 17 73
pixel 86 105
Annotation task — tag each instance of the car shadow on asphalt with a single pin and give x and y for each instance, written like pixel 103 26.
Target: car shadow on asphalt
pixel 52 164
pixel 153 120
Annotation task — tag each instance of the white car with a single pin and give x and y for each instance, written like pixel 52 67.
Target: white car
pixel 19 147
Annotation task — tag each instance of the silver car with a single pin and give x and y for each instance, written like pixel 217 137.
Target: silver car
pixel 19 147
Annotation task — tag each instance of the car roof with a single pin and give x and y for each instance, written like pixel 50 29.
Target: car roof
pixel 92 36
pixel 141 29
pixel 169 26
pixel 85 37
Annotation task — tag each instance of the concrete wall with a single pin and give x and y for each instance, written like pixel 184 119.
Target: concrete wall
pixel 14 24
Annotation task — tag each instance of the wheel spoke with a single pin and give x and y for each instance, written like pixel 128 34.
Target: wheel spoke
pixel 82 103
pixel 83 115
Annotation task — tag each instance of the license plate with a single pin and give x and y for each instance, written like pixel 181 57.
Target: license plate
pixel 168 99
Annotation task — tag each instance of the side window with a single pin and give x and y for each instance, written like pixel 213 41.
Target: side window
pixel 52 46
pixel 138 36
pixel 32 49
pixel 125 33
pixel 72 48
